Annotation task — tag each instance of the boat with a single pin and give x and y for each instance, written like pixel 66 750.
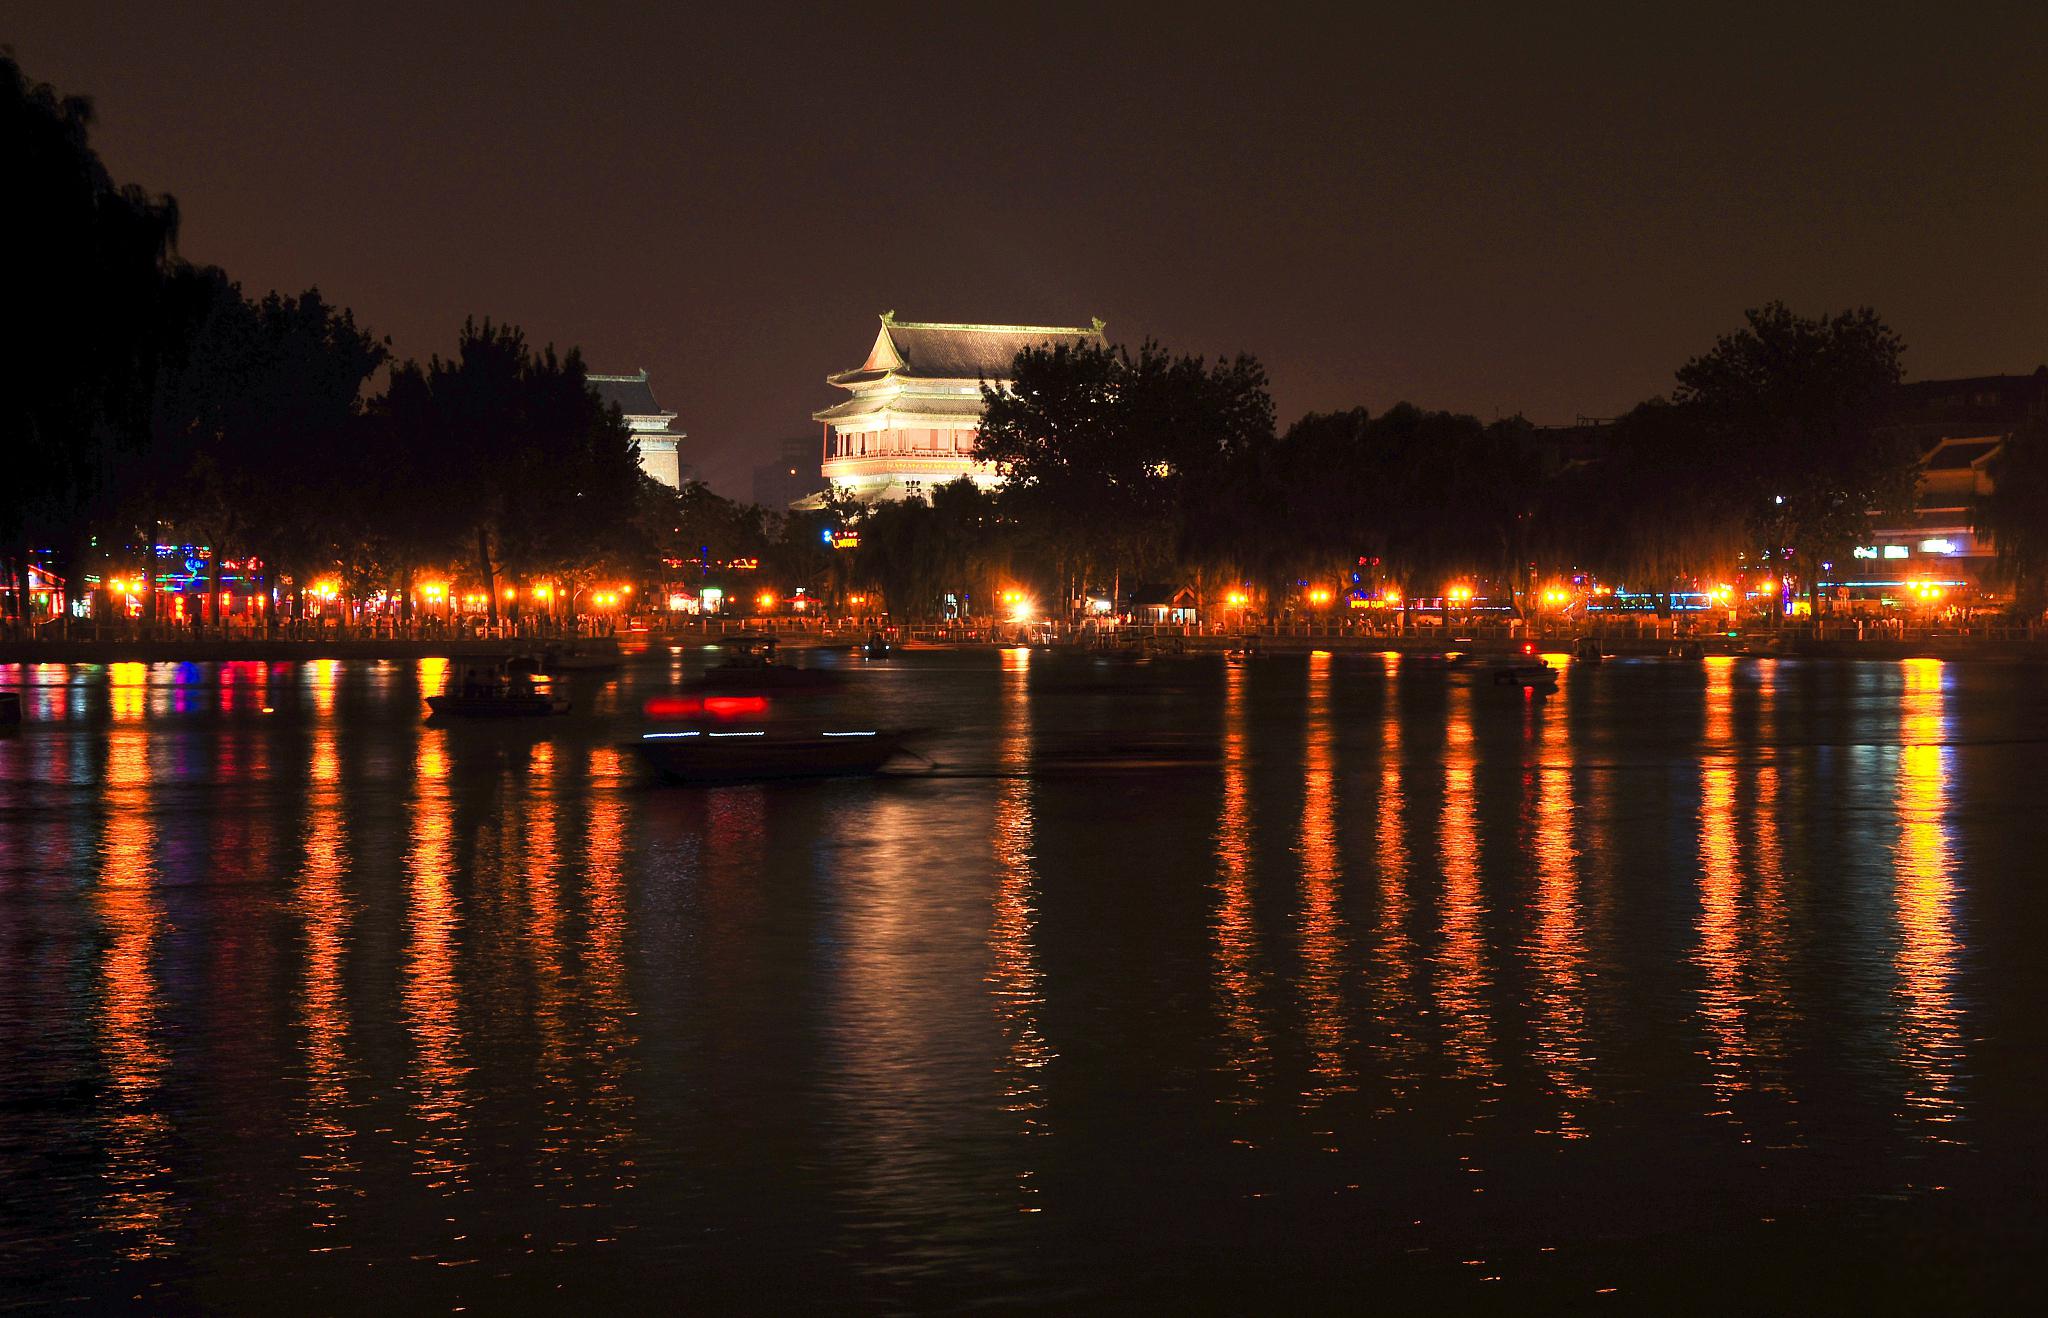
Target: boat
pixel 1586 650
pixel 561 659
pixel 1539 676
pixel 740 755
pixel 750 664
pixel 875 647
pixel 496 691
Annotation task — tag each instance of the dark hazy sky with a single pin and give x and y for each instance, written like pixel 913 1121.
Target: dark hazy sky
pixel 1534 208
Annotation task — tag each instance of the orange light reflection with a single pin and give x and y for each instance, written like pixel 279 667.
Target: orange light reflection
pixel 1236 951
pixel 1930 1036
pixel 1014 979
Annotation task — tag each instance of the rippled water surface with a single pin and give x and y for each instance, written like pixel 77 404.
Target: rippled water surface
pixel 1313 982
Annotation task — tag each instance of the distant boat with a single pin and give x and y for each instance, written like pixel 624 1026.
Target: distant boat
pixel 560 659
pixel 1539 676
pixel 496 691
pixel 751 664
pixel 768 754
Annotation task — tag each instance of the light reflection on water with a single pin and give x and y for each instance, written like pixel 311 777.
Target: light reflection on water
pixel 430 991
pixel 1014 978
pixel 138 1204
pixel 1720 953
pixel 1321 935
pixel 533 1009
pixel 1461 980
pixel 1560 1044
pixel 326 909
pixel 1390 983
pixel 1929 1025
pixel 1236 937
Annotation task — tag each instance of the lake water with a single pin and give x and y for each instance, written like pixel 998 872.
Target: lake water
pixel 1319 981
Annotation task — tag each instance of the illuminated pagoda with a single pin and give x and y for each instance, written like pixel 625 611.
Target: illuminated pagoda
pixel 653 427
pixel 909 426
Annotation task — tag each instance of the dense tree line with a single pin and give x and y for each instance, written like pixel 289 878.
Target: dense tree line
pixel 1772 454
pixel 153 398
pixel 150 398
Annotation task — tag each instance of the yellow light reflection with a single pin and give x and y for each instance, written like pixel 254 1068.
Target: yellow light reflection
pixel 127 691
pixel 324 675
pixel 1930 1022
pixel 1014 979
pixel 1236 934
pixel 432 676
pixel 1392 982
pixel 1719 952
pixel 1321 934
pixel 1461 979
pixel 1561 1050
pixel 429 991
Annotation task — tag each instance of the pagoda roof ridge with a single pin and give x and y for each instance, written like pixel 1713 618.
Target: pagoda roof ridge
pixel 950 350
pixel 631 394
pixel 1094 326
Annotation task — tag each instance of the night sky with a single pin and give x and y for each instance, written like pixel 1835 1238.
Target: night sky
pixel 1533 208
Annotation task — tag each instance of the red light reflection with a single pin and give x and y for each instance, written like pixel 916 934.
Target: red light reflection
pixel 674 707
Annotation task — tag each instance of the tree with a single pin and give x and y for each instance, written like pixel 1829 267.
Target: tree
pixel 85 310
pixel 1640 513
pixel 541 476
pixel 398 493
pixel 2015 515
pixel 572 475
pixel 1111 454
pixel 1791 411
pixel 256 423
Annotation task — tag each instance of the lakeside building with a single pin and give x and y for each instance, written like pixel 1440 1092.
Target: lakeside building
pixel 652 425
pixel 916 404
pixel 793 477
pixel 1960 426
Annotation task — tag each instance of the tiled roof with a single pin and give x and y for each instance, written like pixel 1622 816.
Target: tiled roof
pixel 931 351
pixel 1957 455
pixel 1975 399
pixel 630 393
pixel 966 407
pixel 977 352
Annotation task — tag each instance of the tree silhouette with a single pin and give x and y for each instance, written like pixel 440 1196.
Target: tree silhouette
pixel 1791 411
pixel 85 311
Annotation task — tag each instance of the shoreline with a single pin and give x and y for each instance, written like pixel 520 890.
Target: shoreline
pixel 267 650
